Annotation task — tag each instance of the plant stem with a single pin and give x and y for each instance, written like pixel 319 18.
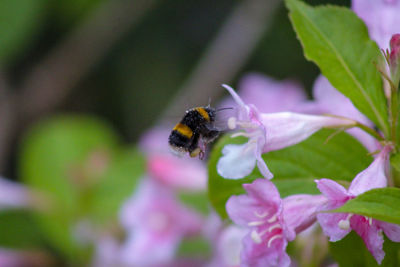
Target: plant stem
pixel 369 130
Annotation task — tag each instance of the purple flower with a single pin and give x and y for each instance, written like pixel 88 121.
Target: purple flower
pixel 228 247
pixel 267 132
pixel 156 222
pixel 272 222
pixel 382 18
pixel 15 195
pixel 267 94
pixel 328 100
pixel 106 252
pixel 338 225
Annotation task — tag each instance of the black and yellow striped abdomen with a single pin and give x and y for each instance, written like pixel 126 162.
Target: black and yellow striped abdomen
pixel 185 135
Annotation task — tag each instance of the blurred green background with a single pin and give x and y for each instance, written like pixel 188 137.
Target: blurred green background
pixel 134 78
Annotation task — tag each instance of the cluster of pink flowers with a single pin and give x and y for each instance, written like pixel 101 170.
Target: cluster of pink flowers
pixel 272 222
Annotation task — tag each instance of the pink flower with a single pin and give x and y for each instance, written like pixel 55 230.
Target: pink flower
pixel 106 252
pixel 179 173
pixel 272 222
pixel 328 100
pixel 338 225
pixel 228 247
pixel 267 132
pixel 382 18
pixel 394 59
pixel 156 222
pixel 267 94
pixel 15 195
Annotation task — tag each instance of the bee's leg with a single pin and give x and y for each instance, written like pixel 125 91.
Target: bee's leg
pixel 194 148
pixel 201 154
pixel 209 135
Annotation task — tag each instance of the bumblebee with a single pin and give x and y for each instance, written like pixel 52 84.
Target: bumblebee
pixel 197 124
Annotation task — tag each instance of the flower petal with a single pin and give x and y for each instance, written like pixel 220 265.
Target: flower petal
pixel 243 109
pixel 263 168
pixel 260 255
pixel 288 128
pixel 330 100
pixel 330 225
pixel 237 161
pixel 299 212
pixel 270 95
pixel 262 199
pixel 142 249
pixel 392 231
pixel 241 209
pixel 264 191
pixel 371 235
pixel 372 177
pixel 332 190
pixel 181 173
pixel 382 18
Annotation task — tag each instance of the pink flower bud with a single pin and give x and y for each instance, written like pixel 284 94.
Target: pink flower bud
pixel 395 49
pixel 394 58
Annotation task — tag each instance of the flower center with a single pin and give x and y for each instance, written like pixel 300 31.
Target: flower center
pixel 256 236
pixel 233 122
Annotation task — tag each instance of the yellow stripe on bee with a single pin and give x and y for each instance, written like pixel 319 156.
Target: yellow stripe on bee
pixel 183 130
pixel 203 113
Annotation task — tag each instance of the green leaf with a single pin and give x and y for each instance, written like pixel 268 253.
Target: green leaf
pixel 19 21
pixel 194 247
pixel 55 159
pixel 195 200
pixel 395 161
pixel 351 251
pixel 381 204
pixel 338 42
pixel 116 185
pixel 18 230
pixel 295 167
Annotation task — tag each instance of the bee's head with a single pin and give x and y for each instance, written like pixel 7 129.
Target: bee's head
pixel 212 112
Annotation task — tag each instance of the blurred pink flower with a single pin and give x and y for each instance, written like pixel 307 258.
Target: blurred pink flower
pixel 338 225
pixel 272 222
pixel 267 132
pixel 15 195
pixel 270 95
pixel 180 173
pixel 156 222
pixel 106 252
pixel 328 100
pixel 228 246
pixel 381 17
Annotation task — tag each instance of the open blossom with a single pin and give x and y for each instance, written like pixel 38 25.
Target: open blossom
pixel 271 221
pixel 338 225
pixel 156 222
pixel 267 132
pixel 381 17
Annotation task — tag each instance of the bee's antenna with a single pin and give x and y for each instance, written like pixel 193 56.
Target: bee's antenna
pixel 223 109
